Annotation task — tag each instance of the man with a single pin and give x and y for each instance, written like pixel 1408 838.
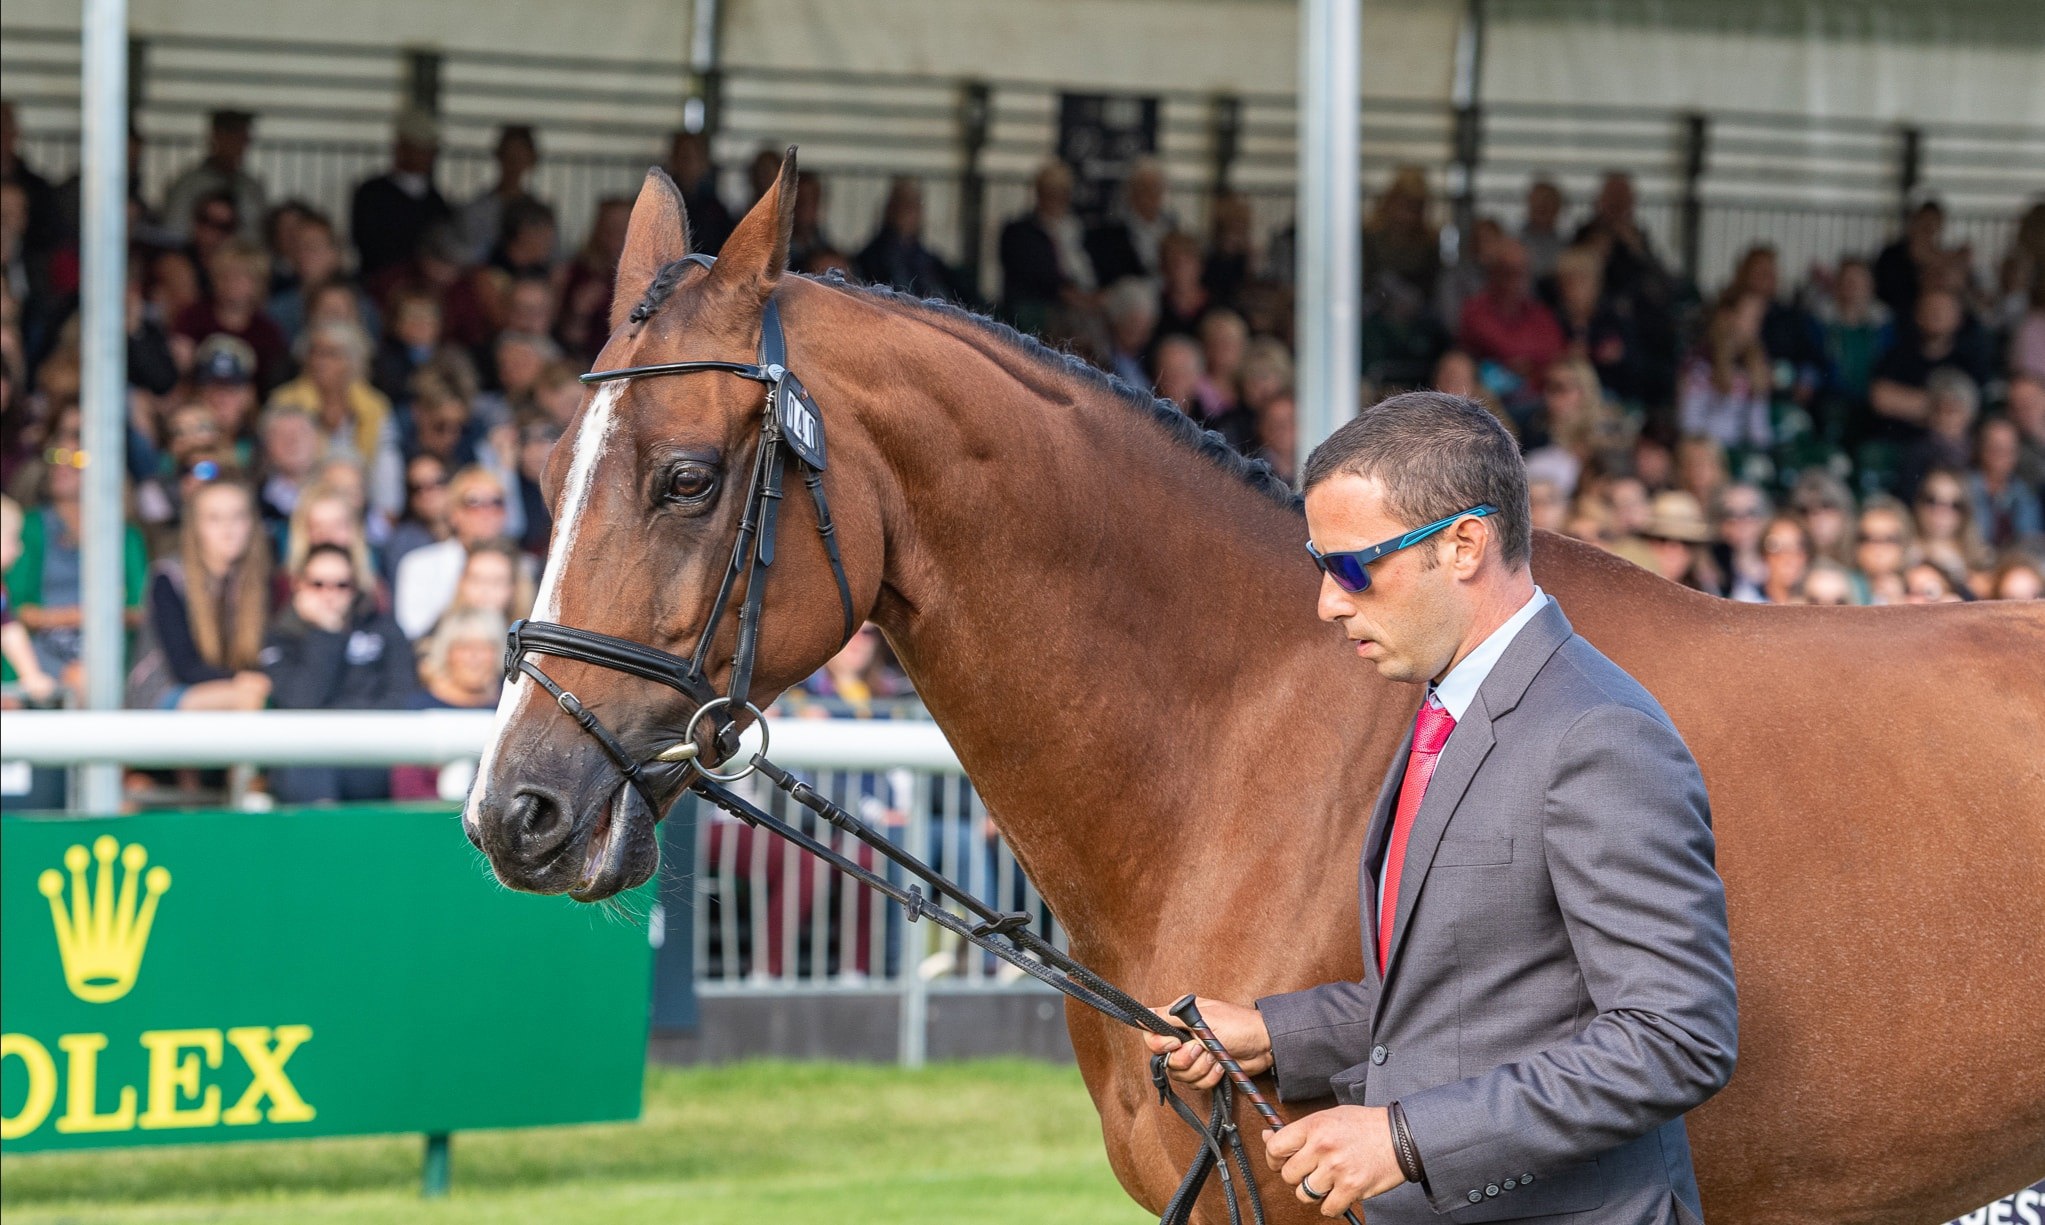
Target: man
pixel 1507 324
pixel 1541 234
pixel 220 172
pixel 428 576
pixel 1940 336
pixel 391 212
pixel 1126 244
pixel 481 220
pixel 898 256
pixel 689 165
pixel 1548 982
pixel 1044 264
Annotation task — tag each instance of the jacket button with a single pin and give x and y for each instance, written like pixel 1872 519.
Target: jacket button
pixel 1476 1197
pixel 1492 1189
pixel 1525 1179
pixel 1510 1184
pixel 1378 1054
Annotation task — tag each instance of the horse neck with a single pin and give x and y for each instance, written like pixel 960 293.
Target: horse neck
pixel 1099 617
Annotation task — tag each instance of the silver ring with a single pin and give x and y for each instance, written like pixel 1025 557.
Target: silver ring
pixel 752 764
pixel 1308 1187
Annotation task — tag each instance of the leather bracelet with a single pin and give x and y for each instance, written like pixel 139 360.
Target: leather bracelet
pixel 1402 1146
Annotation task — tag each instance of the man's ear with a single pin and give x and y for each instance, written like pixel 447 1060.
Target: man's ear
pixel 657 236
pixel 756 254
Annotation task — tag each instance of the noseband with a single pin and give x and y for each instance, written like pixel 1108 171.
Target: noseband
pixel 790 425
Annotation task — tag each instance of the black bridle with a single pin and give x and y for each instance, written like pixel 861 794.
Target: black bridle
pixel 791 425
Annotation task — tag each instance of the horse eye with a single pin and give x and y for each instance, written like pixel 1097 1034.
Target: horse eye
pixel 690 482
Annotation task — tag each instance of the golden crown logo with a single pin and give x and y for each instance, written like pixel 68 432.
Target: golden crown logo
pixel 102 936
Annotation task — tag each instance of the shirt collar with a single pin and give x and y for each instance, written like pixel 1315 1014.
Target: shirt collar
pixel 1459 688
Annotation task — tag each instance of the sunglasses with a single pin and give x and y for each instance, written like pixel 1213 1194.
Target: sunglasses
pixel 321 584
pixel 483 503
pixel 1349 568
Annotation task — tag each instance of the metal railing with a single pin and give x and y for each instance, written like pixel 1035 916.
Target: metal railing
pixel 766 917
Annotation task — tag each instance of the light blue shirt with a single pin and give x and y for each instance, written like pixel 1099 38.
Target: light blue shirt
pixel 1459 688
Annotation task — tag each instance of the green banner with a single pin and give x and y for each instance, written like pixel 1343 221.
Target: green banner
pixel 180 977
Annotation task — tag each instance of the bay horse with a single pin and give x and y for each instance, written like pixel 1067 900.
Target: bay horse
pixel 1112 619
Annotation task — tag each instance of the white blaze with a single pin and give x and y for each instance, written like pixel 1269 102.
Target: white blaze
pixel 591 441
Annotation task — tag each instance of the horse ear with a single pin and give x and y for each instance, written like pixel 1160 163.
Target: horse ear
pixel 657 235
pixel 757 251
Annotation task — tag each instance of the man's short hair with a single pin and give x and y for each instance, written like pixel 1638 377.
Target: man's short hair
pixel 1435 454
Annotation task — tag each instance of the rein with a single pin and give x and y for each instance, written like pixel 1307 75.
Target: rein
pixel 791 426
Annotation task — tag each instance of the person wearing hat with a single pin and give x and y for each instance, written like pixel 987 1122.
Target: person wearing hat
pixel 220 172
pixel 390 212
pixel 224 375
pixel 1680 538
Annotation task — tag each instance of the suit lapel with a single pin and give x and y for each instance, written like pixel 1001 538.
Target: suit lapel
pixel 1461 757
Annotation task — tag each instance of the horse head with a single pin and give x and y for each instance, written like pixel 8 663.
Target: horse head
pixel 649 490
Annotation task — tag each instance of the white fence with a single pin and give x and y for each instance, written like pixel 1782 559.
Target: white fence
pixel 767 917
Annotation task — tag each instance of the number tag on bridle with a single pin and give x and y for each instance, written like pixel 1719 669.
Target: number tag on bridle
pixel 801 424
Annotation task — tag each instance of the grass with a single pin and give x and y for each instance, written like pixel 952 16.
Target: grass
pixel 997 1140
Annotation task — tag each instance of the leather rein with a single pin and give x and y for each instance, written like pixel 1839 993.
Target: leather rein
pixel 791 425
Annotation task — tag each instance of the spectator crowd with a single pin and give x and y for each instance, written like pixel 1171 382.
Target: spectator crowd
pixel 335 433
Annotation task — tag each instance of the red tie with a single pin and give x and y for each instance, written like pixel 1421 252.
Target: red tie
pixel 1431 728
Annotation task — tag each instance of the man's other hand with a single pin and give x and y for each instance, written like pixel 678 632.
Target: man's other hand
pixel 1241 1030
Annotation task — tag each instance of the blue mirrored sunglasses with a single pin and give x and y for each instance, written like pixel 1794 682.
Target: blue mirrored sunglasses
pixel 1351 568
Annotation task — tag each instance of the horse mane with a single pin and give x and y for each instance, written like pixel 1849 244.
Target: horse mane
pixel 1181 429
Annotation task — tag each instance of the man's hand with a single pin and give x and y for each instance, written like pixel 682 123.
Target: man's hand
pixel 1240 1029
pixel 1345 1152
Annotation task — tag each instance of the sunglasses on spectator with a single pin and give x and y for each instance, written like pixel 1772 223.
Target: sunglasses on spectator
pixel 474 502
pixel 329 584
pixel 1350 568
pixel 423 486
pixel 64 457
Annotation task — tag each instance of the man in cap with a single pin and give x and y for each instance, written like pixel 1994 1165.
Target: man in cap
pixel 228 133
pixel 391 211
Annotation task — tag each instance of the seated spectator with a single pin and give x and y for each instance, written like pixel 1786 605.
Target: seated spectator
pixel 1947 534
pixel 557 393
pixel 1402 339
pixel 1541 232
pixel 462 664
pixel 314 260
pixel 1231 259
pixel 530 306
pixel 1740 516
pixel 290 449
pixel 224 376
pixel 1183 297
pixel 1940 335
pixel 220 173
pixel 330 513
pixel 2005 505
pixel 1125 244
pixel 850 682
pixel 2024 405
pixel 585 323
pixel 1044 264
pixel 1547 504
pixel 518 359
pixel 2027 338
pixel 1885 542
pixel 1267 393
pixel 354 418
pixel 424 520
pixel 44 585
pixel 208 609
pixel 1825 505
pixel 1399 239
pixel 897 255
pixel 1571 427
pixel 497 579
pixel 806 234
pixel 1631 502
pixel 1224 338
pixel 1900 269
pixel 1182 379
pixel 410 345
pixel 1725 393
pixel 1853 330
pixel 337 301
pixel 2017 578
pixel 689 165
pixel 1927 582
pixel 1829 584
pixel 1786 548
pixel 1506 327
pixel 237 280
pixel 1592 327
pixel 442 426
pixel 1788 333
pixel 1637 283
pixel 332 650
pixel 391 212
pixel 1948 437
pixel 1455 372
pixel 536 440
pixel 1701 469
pixel 428 577
pixel 1680 539
pixel 1130 305
pixel 481 221
pixel 23 667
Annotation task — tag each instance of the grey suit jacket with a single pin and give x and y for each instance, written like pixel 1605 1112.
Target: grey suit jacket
pixel 1560 985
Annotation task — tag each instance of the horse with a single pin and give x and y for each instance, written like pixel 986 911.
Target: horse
pixel 1111 617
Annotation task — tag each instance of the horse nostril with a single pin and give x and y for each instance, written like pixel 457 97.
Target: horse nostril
pixel 540 823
